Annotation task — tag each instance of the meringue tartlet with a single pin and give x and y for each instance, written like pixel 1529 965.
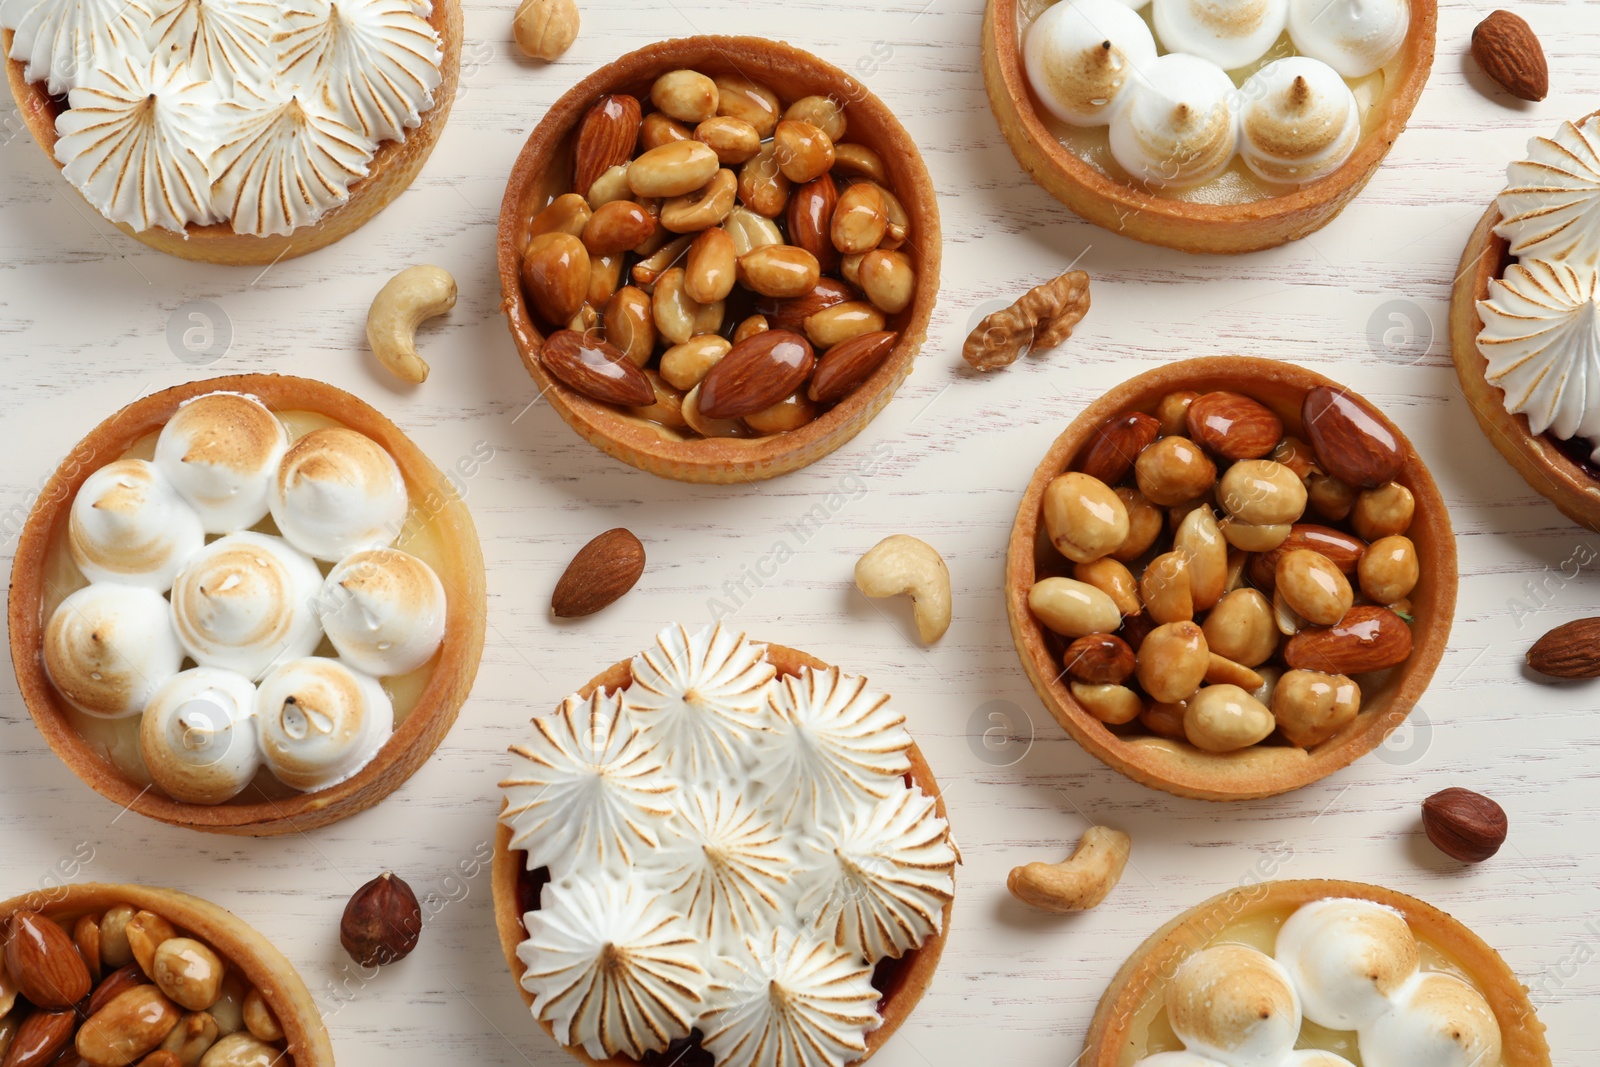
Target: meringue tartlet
pixel 247 605
pixel 725 847
pixel 1315 973
pixel 235 133
pixel 1200 125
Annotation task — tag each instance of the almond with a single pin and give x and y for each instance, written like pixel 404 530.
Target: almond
pixel 1352 442
pixel 606 136
pixel 810 212
pixel 1110 453
pixel 39 1038
pixel 1571 650
pixel 756 373
pixel 1367 639
pixel 1464 825
pixel 599 574
pixel 43 962
pixel 1507 49
pixel 1343 549
pixel 1233 426
pixel 849 363
pixel 792 314
pixel 596 369
pixel 555 274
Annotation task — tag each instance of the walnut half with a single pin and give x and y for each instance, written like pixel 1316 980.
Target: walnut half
pixel 1042 318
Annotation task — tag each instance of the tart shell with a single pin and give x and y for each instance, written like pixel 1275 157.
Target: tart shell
pixel 391 170
pixel 1152 964
pixel 414 740
pixel 1265 769
pixel 912 980
pixel 1125 208
pixel 543 171
pixel 234 940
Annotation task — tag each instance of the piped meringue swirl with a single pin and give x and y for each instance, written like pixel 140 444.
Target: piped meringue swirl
pixel 109 647
pixel 222 451
pixel 198 736
pixel 729 867
pixel 321 722
pixel 228 42
pixel 384 611
pixel 63 41
pixel 245 603
pixel 1550 208
pixel 338 492
pixel 128 524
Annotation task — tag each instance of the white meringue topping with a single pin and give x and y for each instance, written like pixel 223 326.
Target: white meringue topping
pixel 1080 56
pixel 1314 1057
pixel 611 968
pixel 63 40
pixel 128 524
pixel 228 42
pixel 321 722
pixel 338 492
pixel 1177 126
pixel 1347 958
pixel 1234 1004
pixel 246 602
pixel 1299 121
pixel 1229 33
pixel 222 451
pixel 1177 1059
pixel 198 736
pixel 108 647
pixel 729 867
pixel 1551 206
pixel 384 611
pixel 1437 1021
pixel 1354 37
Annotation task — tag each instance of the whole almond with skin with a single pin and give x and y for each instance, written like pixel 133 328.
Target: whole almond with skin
pixel 40 1038
pixel 756 373
pixel 1353 444
pixel 1464 825
pixel 601 572
pixel 606 136
pixel 596 369
pixel 848 364
pixel 1571 650
pixel 382 922
pixel 1233 426
pixel 1110 453
pixel 810 213
pixel 1343 549
pixel 792 314
pixel 1509 52
pixel 1368 638
pixel 44 963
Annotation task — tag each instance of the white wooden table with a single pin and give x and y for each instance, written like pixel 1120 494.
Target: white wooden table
pixel 85 317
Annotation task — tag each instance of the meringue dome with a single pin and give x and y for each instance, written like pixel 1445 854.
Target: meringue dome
pixel 1437 1021
pixel 109 647
pixel 1299 121
pixel 337 492
pixel 384 611
pixel 1080 56
pixel 1234 1004
pixel 1551 206
pixel 198 736
pixel 1178 125
pixel 245 603
pixel 128 524
pixel 1229 33
pixel 1354 37
pixel 320 721
pixel 221 451
pixel 1347 958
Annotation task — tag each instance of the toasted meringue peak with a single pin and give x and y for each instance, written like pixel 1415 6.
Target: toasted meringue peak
pixel 1299 121
pixel 130 142
pixel 833 744
pixel 1235 1004
pixel 1551 206
pixel 129 525
pixel 221 451
pixel 886 876
pixel 790 999
pixel 245 603
pixel 1541 338
pixel 198 736
pixel 587 790
pixel 729 865
pixel 384 610
pixel 699 696
pixel 1230 33
pixel 109 647
pixel 321 721
pixel 611 968
pixel 374 63
pixel 1354 37
pixel 1177 126
pixel 63 41
pixel 338 492
pixel 228 42
pixel 1081 55
pixel 1347 958
pixel 1438 1021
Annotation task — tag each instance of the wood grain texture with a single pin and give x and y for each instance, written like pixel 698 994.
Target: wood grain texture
pixel 84 315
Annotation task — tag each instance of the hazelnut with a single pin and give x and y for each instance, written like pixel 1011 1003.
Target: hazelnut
pixel 1464 825
pixel 381 922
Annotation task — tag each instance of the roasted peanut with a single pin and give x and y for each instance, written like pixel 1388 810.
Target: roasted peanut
pixel 672 169
pixel 605 277
pixel 702 208
pixel 710 270
pixel 1144 524
pixel 241 1050
pixel 131 1025
pixel 1329 497
pixel 686 95
pixel 751 326
pixel 790 413
pixel 86 936
pixel 677 315
pixel 260 1019
pixel 888 279
pixel 733 140
pixel 668 408
pixel 840 322
pixel 685 365
pixel 860 219
pixel 898 230
pixel 1073 608
pixel 649 269
pixel 114 950
pixel 802 151
pixel 780 271
pixel 568 213
pixel 1241 628
pixel 555 275
pixel 750 230
pixel 1225 718
pixel 823 112
pixel 1174 470
pixel 657 130
pixel 1111 704
pixel 1313 587
pixel 1165 588
pixel 612 184
pixel 146 931
pixel 1297 456
pixel 1173 413
pixel 1250 538
pixel 1383 512
pixel 1311 706
pixel 1114 580
pixel 1199 541
pixel 228 1011
pixel 858 161
pixel 617 227
pixel 708 427
pixel 188 972
pixel 1262 492
pixel 1388 570
pixel 1173 661
pixel 1085 519
pixel 762 186
pixel 850 266
pixel 1224 671
pixel 1164 720
pixel 630 326
pixel 744 99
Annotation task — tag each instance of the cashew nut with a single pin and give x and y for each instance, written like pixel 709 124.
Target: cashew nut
pixel 1079 882
pixel 413 295
pixel 902 564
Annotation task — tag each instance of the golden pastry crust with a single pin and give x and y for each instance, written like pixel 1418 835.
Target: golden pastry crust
pixel 913 978
pixel 1190 227
pixel 414 739
pixel 1260 770
pixel 543 172
pixel 262 965
pixel 1152 964
pixel 391 171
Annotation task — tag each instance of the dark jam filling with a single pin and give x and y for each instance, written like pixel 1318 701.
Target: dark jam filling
pixel 1577 450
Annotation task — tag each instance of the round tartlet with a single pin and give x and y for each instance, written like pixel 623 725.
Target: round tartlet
pixel 1115 1038
pixel 435 507
pixel 543 171
pixel 1265 769
pixel 238 943
pixel 391 170
pixel 1187 226
pixel 905 980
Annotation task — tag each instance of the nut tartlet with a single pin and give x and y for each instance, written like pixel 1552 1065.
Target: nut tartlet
pixel 545 171
pixel 1281 755
pixel 309 770
pixel 1417 985
pixel 334 156
pixel 1244 215
pixel 234 997
pixel 897 957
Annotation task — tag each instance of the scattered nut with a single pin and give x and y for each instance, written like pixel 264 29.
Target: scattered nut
pixel 544 29
pixel 404 303
pixel 903 565
pixel 1081 881
pixel 602 571
pixel 1571 650
pixel 1464 825
pixel 1509 52
pixel 1041 319
pixel 381 923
